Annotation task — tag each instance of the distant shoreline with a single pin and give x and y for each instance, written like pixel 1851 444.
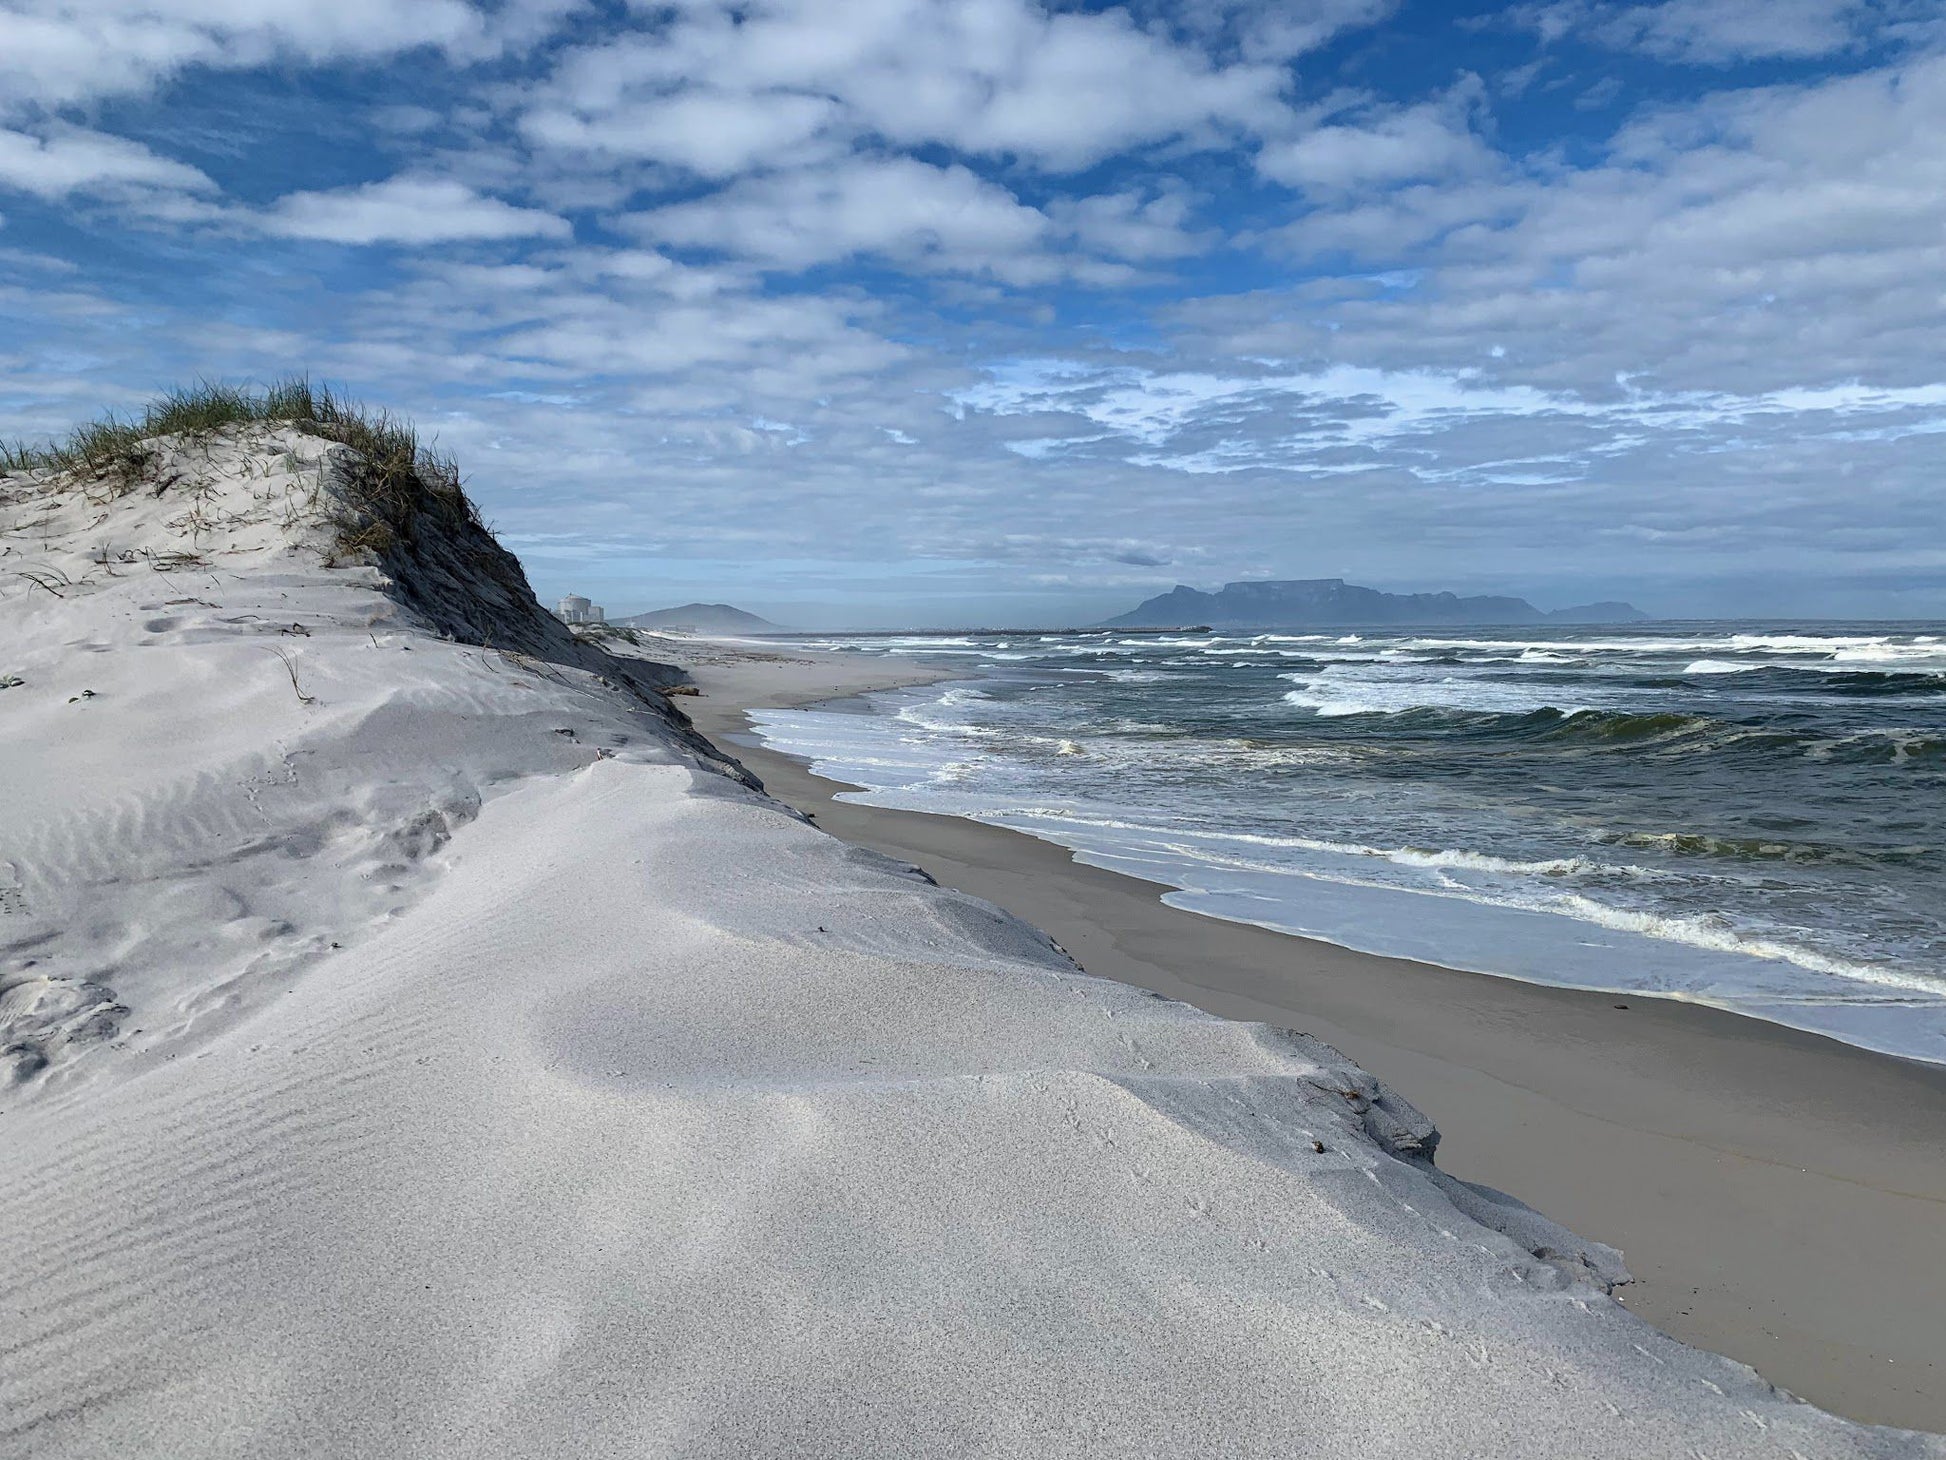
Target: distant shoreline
pixel 784 635
pixel 1675 1131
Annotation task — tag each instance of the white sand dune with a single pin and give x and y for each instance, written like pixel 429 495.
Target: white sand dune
pixel 421 1049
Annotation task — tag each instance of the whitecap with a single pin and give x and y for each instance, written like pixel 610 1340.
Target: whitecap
pixel 1721 666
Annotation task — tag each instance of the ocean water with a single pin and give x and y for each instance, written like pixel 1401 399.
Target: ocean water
pixel 1742 815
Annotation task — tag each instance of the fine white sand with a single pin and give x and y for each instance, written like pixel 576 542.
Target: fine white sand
pixel 1780 1195
pixel 444 1054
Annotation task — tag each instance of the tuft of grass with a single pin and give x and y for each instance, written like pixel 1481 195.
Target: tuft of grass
pixel 19 456
pixel 398 500
pixel 114 443
pixel 290 668
pixel 399 478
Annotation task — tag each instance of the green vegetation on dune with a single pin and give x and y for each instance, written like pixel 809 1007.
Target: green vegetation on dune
pixel 208 407
pixel 397 478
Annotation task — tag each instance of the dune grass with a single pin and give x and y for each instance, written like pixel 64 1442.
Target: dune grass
pixel 397 503
pixel 397 478
pixel 384 439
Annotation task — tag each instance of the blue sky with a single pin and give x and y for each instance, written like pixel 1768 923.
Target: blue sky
pixel 937 310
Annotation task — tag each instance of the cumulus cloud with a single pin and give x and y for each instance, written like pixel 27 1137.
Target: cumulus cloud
pixel 76 160
pixel 899 208
pixel 1381 148
pixel 821 273
pixel 58 52
pixel 1062 90
pixel 704 130
pixel 928 219
pixel 406 210
pixel 1759 238
pixel 1132 225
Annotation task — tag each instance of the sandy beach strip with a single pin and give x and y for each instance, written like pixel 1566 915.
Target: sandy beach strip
pixel 1780 1197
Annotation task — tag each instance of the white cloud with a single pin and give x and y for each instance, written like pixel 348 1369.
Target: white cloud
pixel 1680 333
pixel 696 340
pixel 515 26
pixel 709 132
pixel 1754 239
pixel 1337 419
pixel 1275 30
pixel 1286 28
pixel 926 219
pixel 1130 225
pixel 60 52
pixel 1328 417
pixel 71 159
pixel 1386 147
pixel 807 342
pixel 1071 89
pixel 1716 32
pixel 406 210
pixel 1302 420
pixel 998 77
pixel 922 216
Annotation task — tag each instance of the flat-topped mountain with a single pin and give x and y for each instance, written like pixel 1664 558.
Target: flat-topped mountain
pixel 1332 602
pixel 702 618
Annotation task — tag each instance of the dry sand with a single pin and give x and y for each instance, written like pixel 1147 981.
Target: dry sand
pixel 421 1050
pixel 1778 1197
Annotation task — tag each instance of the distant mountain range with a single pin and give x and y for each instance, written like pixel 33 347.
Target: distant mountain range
pixel 702 618
pixel 1334 603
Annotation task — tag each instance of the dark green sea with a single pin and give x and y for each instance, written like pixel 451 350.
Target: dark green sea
pixel 1746 815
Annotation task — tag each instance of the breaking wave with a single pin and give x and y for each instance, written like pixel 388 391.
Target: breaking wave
pixel 1748 816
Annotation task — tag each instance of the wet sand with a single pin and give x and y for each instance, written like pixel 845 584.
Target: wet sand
pixel 1780 1197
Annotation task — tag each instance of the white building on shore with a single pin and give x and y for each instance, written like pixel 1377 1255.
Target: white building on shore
pixel 575 609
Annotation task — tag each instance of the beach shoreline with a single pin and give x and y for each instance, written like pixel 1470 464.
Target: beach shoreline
pixel 1778 1195
pixel 421 1047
